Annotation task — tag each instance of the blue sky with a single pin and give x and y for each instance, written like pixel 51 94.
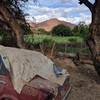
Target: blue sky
pixel 67 10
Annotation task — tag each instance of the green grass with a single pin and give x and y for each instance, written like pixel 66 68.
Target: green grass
pixel 37 39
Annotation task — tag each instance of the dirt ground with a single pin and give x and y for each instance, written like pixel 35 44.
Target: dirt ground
pixel 84 80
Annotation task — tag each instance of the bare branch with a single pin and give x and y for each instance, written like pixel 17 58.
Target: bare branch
pixel 87 3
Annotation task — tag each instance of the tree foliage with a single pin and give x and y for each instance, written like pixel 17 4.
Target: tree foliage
pixel 81 30
pixel 40 31
pixel 12 18
pixel 61 30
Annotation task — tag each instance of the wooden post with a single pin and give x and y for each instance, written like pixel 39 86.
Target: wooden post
pixel 52 50
pixel 41 48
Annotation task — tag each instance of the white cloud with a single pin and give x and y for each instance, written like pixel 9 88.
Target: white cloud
pixel 58 11
pixel 75 20
pixel 42 13
pixel 29 18
pixel 64 1
pixel 41 18
pixel 86 18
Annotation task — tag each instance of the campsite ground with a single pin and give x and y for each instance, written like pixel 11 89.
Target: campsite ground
pixel 84 80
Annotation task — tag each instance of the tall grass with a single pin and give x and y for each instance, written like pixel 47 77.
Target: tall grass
pixel 37 39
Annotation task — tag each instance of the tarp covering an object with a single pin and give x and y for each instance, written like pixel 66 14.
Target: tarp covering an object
pixel 25 64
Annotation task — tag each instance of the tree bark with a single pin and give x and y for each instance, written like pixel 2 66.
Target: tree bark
pixel 94 35
pixel 9 18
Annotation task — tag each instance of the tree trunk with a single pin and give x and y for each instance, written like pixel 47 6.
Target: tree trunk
pixel 9 18
pixel 94 36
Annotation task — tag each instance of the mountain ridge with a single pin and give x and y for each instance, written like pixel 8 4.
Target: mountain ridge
pixel 49 24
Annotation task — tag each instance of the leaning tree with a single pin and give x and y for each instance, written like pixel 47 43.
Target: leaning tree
pixel 93 40
pixel 12 17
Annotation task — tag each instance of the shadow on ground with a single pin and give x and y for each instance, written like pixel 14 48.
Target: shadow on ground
pixel 89 71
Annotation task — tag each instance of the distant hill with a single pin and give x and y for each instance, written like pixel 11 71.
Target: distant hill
pixel 49 24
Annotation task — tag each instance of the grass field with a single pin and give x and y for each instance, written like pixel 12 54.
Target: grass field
pixel 37 39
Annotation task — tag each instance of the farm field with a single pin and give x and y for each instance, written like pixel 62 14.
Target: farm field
pixel 68 44
pixel 36 39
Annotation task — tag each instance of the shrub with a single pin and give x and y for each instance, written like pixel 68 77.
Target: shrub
pixel 40 31
pixel 72 39
pixel 81 30
pixel 61 30
pixel 7 39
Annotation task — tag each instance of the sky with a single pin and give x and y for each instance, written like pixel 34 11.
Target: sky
pixel 66 10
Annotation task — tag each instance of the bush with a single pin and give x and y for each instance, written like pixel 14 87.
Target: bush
pixel 40 31
pixel 61 30
pixel 7 39
pixel 81 30
pixel 72 39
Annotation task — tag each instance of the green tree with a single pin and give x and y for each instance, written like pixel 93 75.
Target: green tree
pixel 42 31
pixel 76 30
pixel 81 30
pixel 61 30
pixel 12 17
